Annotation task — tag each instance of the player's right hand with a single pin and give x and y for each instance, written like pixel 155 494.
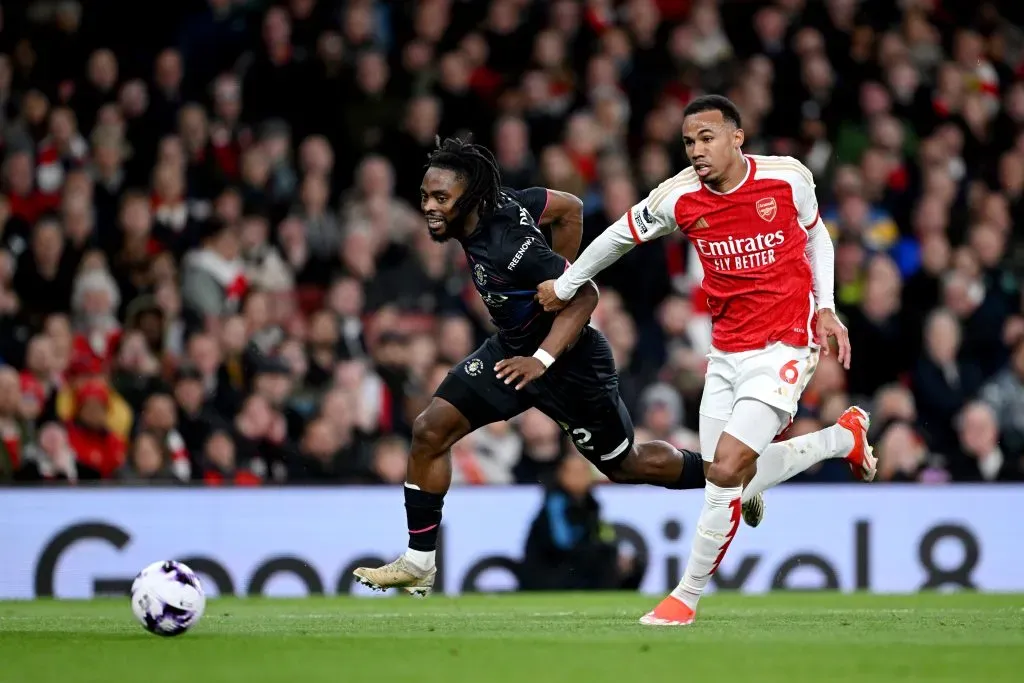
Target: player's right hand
pixel 829 325
pixel 548 299
pixel 520 369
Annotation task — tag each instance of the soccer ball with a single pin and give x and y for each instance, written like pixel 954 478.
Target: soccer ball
pixel 167 598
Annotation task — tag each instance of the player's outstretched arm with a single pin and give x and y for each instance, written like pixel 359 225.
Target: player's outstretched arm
pixel 564 330
pixel 653 217
pixel 564 214
pixel 606 249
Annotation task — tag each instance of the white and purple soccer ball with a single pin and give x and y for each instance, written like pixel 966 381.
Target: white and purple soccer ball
pixel 168 598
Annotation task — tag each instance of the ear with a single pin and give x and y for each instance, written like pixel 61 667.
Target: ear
pixel 738 138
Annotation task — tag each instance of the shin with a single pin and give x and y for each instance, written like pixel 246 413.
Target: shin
pixel 749 431
pixel 429 475
pixel 659 464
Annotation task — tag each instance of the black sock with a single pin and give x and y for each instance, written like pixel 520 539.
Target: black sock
pixel 692 476
pixel 423 513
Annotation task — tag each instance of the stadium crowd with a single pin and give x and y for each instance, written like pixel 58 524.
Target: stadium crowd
pixel 214 269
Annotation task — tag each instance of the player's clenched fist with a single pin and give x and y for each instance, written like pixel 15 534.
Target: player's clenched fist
pixel 830 326
pixel 522 368
pixel 548 299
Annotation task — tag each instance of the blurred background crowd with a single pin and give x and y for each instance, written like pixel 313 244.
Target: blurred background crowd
pixel 214 269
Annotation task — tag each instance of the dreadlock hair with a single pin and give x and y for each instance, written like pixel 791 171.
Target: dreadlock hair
pixel 476 165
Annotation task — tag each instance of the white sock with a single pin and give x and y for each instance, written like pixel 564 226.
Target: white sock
pixel 718 522
pixel 421 559
pixel 783 460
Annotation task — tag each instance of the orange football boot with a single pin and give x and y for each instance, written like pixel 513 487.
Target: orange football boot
pixel 670 612
pixel 862 460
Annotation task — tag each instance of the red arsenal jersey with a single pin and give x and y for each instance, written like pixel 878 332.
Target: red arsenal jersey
pixel 751 242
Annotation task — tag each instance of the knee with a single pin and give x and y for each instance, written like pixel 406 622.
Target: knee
pixel 617 474
pixel 732 460
pixel 627 469
pixel 429 436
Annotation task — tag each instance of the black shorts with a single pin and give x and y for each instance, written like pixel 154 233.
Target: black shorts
pixel 580 392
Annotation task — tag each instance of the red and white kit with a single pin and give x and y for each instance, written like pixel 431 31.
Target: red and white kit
pixel 768 266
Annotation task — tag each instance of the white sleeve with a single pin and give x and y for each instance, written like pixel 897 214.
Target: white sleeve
pixel 805 199
pixel 821 254
pixel 651 218
pixel 606 249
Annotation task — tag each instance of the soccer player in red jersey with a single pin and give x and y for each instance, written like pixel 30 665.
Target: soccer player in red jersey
pixel 768 275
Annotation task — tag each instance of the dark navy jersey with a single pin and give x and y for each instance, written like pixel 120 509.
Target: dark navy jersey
pixel 508 257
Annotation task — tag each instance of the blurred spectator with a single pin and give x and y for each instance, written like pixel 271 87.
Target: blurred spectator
pixel 44 274
pixel 982 459
pixel 487 456
pixel 319 458
pixel 135 370
pixel 661 416
pixel 95 300
pixel 15 429
pixel 193 415
pixel 345 300
pixel 86 370
pixel 159 420
pixel 373 108
pixel 219 464
pixel 213 277
pixel 569 547
pixel 903 456
pixel 148 461
pixel 893 402
pixel 389 458
pixel 264 267
pixel 372 203
pixel 877 330
pixel 1005 394
pixel 512 152
pixel 50 459
pixel 543 447
pixel 321 228
pixel 41 377
pixel 99 451
pixel 943 382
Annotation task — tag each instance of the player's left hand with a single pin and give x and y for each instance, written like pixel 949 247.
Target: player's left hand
pixel 524 368
pixel 829 325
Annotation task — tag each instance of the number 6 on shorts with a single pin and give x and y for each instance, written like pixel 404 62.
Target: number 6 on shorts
pixel 788 373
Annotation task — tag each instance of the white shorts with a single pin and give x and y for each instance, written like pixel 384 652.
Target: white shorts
pixel 776 375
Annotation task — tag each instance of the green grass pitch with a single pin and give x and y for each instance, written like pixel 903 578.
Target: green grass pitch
pixel 563 638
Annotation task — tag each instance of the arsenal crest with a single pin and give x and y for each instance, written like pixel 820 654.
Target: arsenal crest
pixel 766 208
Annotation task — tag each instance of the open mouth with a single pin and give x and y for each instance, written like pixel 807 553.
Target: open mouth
pixel 702 169
pixel 435 223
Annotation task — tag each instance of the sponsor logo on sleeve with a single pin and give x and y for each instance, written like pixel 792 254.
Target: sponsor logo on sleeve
pixel 643 220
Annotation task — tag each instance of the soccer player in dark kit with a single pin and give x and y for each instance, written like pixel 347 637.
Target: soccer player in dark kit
pixel 555 362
